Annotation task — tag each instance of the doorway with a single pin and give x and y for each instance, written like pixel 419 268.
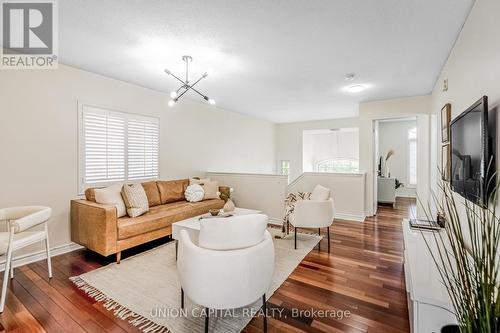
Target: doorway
pixel 395 159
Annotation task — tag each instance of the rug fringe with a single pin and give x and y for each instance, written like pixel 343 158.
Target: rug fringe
pixel 142 323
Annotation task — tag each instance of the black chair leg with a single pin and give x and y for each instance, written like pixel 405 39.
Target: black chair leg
pixel 319 243
pixel 328 230
pixel 264 307
pixel 206 320
pixel 182 298
pixel 295 238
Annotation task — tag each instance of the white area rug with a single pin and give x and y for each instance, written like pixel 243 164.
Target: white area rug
pixel 145 290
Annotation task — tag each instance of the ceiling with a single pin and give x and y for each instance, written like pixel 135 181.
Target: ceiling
pixel 280 60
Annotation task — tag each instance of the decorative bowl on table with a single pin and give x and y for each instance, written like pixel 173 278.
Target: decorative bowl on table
pixel 214 212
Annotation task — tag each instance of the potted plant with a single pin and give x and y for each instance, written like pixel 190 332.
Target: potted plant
pixel 467 258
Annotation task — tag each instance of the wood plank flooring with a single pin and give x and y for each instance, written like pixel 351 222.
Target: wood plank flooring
pixel 362 278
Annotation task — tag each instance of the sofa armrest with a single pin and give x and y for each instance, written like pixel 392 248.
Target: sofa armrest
pixel 94 226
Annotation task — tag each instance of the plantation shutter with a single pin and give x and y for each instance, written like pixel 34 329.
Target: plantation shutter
pixel 104 146
pixel 143 144
pixel 117 147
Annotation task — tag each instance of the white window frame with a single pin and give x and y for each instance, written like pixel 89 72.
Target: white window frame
pixel 82 186
pixel 336 159
pixel 280 166
pixel 409 142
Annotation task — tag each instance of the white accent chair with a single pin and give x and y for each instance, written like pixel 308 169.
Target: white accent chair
pixel 231 266
pixel 19 220
pixel 317 212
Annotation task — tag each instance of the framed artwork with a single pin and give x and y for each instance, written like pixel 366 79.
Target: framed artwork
pixel 445 123
pixel 446 162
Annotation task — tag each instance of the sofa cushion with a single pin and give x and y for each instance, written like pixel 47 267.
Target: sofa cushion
pixel 194 193
pixel 163 216
pixel 112 196
pixel 152 193
pixel 172 190
pixel 135 199
pixel 211 190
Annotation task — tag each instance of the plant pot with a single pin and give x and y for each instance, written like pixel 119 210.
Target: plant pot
pixel 229 206
pixel 450 329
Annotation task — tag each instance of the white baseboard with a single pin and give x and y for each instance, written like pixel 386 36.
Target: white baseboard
pixel 41 255
pixel 350 217
pixel 275 221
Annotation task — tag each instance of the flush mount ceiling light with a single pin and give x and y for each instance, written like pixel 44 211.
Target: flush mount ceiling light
pixel 356 88
pixel 186 85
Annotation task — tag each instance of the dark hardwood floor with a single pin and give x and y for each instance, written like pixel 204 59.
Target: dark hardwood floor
pixel 362 278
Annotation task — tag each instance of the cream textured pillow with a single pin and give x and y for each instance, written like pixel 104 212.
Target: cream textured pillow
pixel 193 181
pixel 135 199
pixel 194 193
pixel 320 193
pixel 111 196
pixel 211 190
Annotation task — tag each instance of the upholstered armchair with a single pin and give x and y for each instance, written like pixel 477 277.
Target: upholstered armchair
pixel 230 267
pixel 317 212
pixel 19 222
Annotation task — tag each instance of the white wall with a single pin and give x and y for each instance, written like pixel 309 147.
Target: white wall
pixel 289 140
pixel 394 135
pixel 263 192
pixel 38 136
pixel 420 107
pixel 347 191
pixel 472 69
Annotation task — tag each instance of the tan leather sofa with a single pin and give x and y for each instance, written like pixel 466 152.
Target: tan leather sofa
pixel 97 227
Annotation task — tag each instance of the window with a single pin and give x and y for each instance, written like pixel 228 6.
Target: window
pixel 285 168
pixel 338 165
pixel 330 150
pixel 116 146
pixel 412 156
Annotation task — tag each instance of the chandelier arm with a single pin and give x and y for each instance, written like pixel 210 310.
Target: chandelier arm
pixel 173 75
pixel 199 93
pixel 201 78
pixel 185 91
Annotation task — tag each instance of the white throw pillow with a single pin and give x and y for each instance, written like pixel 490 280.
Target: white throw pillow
pixel 232 233
pixel 211 189
pixel 135 199
pixel 320 193
pixel 194 193
pixel 112 196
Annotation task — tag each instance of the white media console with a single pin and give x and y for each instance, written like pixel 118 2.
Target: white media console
pixel 429 305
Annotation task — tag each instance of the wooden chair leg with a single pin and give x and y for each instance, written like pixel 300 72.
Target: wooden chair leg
pixel 264 308
pixel 206 320
pixel 296 238
pixel 118 257
pixel 328 231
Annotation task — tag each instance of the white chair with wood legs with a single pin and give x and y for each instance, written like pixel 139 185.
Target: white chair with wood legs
pixel 19 220
pixel 313 214
pixel 231 266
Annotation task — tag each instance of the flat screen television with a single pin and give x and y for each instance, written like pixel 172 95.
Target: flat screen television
pixel 470 153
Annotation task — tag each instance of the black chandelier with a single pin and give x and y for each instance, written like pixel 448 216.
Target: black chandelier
pixel 186 85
